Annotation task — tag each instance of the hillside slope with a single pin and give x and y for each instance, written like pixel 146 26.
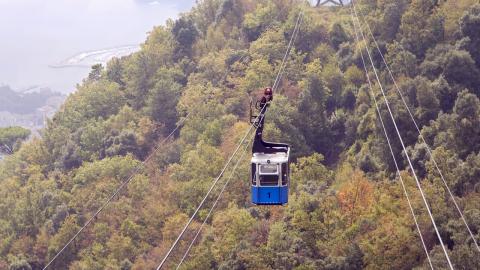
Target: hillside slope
pixel 346 210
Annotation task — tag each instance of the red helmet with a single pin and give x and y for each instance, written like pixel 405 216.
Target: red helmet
pixel 268 91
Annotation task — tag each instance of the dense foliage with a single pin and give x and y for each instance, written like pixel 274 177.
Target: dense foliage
pixel 11 139
pixel 346 209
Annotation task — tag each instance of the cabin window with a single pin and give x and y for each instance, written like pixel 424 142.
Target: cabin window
pixel 268 169
pixel 268 174
pixel 254 174
pixel 269 180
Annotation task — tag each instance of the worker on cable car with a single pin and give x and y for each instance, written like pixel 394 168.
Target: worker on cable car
pixel 267 97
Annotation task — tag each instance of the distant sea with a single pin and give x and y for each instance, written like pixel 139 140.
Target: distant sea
pixel 39 35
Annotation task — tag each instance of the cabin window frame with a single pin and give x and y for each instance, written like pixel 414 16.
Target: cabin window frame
pixel 254 175
pixel 277 169
pixel 285 170
pixel 277 175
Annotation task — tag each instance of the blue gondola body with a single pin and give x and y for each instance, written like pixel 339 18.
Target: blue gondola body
pixel 270 178
pixel 269 195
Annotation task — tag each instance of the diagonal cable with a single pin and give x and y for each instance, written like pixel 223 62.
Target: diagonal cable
pixel 287 52
pixel 421 136
pixel 204 198
pixel 120 188
pixel 403 145
pixel 213 206
pixel 390 147
pixel 280 72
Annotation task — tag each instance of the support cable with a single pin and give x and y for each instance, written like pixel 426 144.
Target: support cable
pixel 204 198
pixel 403 145
pixel 421 137
pixel 390 147
pixel 117 191
pixel 231 175
pixel 287 52
pixel 279 75
pixel 213 206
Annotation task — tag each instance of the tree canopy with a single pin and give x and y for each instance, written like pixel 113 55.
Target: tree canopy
pixel 11 137
pixel 346 208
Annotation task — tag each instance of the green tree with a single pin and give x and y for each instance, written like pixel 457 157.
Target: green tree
pixel 19 264
pixel 445 94
pixel 400 60
pixel 467 126
pixel 310 175
pixel 256 21
pixel 185 33
pixel 428 104
pixel 337 35
pixel 121 247
pixel 392 12
pixel 11 138
pixel 469 25
pixel 68 229
pixel 96 73
pixel 163 98
pixel 460 68
pixel 421 27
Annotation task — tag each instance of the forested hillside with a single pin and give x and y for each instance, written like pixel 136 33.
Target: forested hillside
pixel 347 209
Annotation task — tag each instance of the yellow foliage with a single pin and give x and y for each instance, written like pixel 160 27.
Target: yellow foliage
pixel 230 226
pixel 173 226
pixel 453 10
pixel 355 76
pixel 355 196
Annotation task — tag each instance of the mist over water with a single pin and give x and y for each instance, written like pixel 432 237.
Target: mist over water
pixel 35 34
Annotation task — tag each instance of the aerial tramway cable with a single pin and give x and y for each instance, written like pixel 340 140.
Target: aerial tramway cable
pixel 403 145
pixel 117 191
pixel 204 199
pixel 372 93
pixel 213 206
pixel 287 52
pixel 421 136
pixel 136 170
pixel 277 79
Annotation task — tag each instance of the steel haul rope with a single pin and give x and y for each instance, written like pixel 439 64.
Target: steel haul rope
pixel 429 151
pixel 213 206
pixel 277 79
pixel 391 149
pixel 403 145
pixel 117 191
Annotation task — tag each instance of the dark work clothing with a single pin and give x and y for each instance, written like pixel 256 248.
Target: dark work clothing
pixel 265 99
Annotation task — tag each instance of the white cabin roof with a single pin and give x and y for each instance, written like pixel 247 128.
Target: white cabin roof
pixel 274 158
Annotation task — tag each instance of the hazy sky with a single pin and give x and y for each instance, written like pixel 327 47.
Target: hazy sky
pixel 37 33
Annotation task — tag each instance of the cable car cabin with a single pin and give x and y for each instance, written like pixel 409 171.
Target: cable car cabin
pixel 270 178
pixel 270 166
